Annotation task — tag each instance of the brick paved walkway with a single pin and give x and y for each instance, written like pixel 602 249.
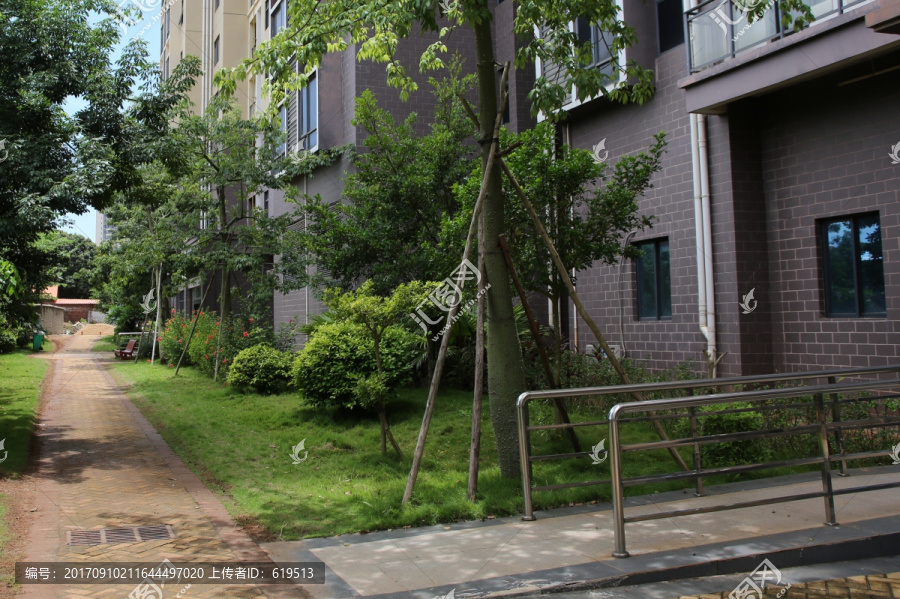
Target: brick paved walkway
pixel 856 587
pixel 103 466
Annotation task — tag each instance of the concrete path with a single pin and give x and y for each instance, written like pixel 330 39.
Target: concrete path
pixel 103 466
pixel 568 547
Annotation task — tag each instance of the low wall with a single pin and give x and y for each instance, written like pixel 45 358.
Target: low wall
pixel 52 318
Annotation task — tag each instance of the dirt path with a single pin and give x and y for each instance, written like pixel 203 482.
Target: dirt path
pixel 101 465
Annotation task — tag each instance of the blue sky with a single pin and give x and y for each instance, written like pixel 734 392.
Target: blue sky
pixel 147 28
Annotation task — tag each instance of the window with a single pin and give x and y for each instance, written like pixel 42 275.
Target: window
pixel 669 24
pixel 166 69
pixel 266 201
pixel 278 20
pixel 267 14
pixel 168 22
pixel 853 266
pixel 654 284
pixel 216 50
pixel 181 20
pixel 308 115
pixel 251 205
pixel 217 4
pixel 600 42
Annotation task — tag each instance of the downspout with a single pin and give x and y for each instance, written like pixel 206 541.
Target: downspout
pixel 706 301
pixel 711 349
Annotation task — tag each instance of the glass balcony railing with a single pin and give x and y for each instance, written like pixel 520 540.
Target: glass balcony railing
pixel 719 29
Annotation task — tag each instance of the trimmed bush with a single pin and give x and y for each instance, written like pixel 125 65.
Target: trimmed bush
pixel 330 368
pixel 262 368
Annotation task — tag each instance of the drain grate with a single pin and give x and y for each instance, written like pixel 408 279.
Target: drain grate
pixel 135 534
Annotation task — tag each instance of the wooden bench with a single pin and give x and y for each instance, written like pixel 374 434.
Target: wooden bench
pixel 128 352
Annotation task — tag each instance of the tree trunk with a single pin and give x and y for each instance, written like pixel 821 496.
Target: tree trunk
pixel 506 370
pixel 386 433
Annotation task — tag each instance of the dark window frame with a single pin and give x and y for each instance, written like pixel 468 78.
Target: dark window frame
pixel 308 114
pixel 822 230
pixel 216 50
pixel 658 282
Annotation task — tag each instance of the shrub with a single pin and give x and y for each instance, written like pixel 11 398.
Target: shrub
pixel 173 337
pixel 262 368
pixel 732 453
pixel 330 367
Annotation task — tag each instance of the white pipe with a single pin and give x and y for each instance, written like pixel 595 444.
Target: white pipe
pixel 707 243
pixel 706 296
pixel 204 61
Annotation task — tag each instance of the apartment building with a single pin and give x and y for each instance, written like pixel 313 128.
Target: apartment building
pixel 778 206
pixel 775 245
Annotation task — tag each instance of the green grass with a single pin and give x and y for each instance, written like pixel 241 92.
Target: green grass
pixel 240 445
pixel 106 344
pixel 20 388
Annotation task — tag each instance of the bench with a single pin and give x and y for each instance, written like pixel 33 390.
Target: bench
pixel 128 352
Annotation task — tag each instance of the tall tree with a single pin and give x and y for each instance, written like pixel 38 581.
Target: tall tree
pixel 55 163
pixel 374 30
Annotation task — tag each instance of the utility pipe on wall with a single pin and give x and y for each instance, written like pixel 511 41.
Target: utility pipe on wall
pixel 706 297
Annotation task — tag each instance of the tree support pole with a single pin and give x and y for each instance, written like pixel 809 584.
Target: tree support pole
pixel 187 341
pixel 445 340
pixel 561 412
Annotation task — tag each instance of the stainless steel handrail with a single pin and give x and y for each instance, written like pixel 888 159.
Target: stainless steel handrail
pixel 825 459
pixel 525 398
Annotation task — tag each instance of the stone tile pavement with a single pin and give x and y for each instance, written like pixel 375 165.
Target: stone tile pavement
pixel 101 465
pixel 876 585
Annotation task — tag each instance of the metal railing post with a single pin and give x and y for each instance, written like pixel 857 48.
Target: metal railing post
pixel 698 460
pixel 525 456
pixel 836 417
pixel 827 487
pixel 618 500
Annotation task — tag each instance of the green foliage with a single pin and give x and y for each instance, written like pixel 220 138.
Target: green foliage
pixel 172 339
pixel 715 422
pixel 328 369
pixel 76 270
pixel 263 369
pixel 387 229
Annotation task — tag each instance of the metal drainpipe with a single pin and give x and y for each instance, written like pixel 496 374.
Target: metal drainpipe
pixel 711 347
pixel 706 301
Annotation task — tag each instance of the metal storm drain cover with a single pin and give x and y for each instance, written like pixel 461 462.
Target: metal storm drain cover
pixel 136 534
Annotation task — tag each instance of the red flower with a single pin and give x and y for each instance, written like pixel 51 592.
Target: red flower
pixel 224 360
pixel 171 366
pixel 207 357
pixel 251 320
pixel 246 334
pixel 179 341
pixel 159 338
pixel 201 314
pixel 173 310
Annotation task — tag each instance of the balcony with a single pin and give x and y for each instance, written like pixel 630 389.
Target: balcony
pixel 717 29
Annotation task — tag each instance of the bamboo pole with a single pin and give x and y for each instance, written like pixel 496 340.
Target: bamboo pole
pixel 193 327
pixel 580 307
pixel 445 340
pixel 561 412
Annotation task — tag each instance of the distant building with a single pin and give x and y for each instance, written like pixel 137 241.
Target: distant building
pixel 104 228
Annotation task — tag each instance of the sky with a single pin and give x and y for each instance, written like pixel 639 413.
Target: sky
pixel 147 28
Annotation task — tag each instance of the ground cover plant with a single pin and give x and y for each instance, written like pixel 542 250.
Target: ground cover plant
pixel 106 344
pixel 19 393
pixel 241 445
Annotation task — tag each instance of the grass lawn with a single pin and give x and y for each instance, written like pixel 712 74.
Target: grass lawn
pixel 20 387
pixel 106 344
pixel 240 446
